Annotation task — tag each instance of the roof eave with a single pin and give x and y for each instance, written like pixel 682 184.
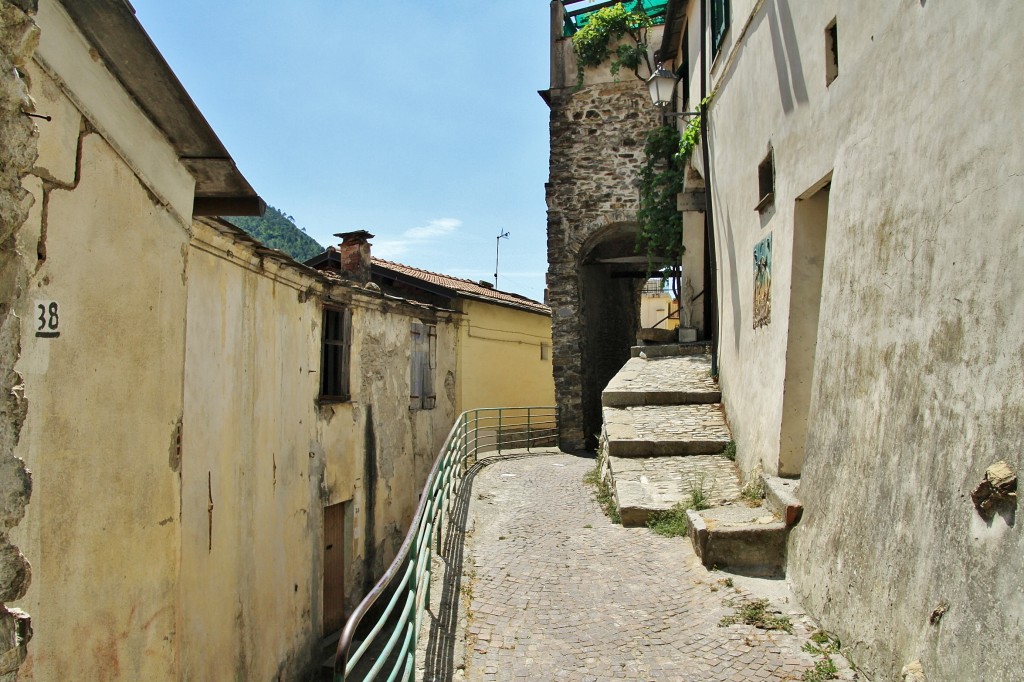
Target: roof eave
pixel 133 58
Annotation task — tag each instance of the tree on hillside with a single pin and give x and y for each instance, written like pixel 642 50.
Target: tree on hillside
pixel 278 231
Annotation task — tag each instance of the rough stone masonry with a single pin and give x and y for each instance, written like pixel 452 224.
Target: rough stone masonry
pixel 19 36
pixel 597 138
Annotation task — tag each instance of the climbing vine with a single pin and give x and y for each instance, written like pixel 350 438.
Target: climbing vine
pixel 666 155
pixel 661 179
pixel 607 25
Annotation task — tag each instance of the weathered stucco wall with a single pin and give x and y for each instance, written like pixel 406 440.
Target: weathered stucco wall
pixel 505 357
pixel 181 462
pixel 102 356
pixel 597 134
pixel 18 37
pixel 918 352
pixel 258 447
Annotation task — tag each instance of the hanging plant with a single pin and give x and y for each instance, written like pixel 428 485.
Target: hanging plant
pixel 606 26
pixel 661 179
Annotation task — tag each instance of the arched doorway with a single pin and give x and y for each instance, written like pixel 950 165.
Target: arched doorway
pixel 610 280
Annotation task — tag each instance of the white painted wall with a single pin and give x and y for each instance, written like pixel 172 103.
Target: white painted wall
pixel 916 385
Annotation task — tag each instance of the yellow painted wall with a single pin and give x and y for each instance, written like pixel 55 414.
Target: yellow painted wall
pixel 500 357
pixel 165 322
pixel 270 457
pixel 102 530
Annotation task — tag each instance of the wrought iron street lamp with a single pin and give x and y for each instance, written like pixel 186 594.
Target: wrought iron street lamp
pixel 661 84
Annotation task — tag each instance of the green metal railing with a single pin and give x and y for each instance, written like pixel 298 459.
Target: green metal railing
pixel 389 643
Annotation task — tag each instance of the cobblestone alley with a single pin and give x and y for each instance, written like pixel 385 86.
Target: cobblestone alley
pixel 543 586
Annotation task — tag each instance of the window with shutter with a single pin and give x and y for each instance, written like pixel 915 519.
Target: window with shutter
pixel 423 362
pixel 335 353
pixel 720 11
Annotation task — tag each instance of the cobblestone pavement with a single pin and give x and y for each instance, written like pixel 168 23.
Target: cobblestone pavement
pixel 684 373
pixel 545 587
pixel 644 484
pixel 692 422
pixel 672 478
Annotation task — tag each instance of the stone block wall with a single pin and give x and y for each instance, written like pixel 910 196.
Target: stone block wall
pixel 19 36
pixel 597 137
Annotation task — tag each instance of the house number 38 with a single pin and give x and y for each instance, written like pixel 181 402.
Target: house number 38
pixel 47 319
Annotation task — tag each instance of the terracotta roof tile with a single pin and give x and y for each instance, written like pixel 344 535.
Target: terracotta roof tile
pixel 465 287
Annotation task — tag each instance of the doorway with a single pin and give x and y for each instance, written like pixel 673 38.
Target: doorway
pixel 810 227
pixel 337 529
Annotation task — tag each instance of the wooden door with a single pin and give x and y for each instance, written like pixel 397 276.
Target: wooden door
pixel 334 568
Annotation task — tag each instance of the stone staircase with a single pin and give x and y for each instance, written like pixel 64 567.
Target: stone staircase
pixel 664 434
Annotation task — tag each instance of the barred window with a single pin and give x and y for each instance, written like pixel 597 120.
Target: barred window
pixel 422 365
pixel 336 349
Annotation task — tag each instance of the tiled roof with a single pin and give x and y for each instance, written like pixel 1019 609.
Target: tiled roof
pixel 465 287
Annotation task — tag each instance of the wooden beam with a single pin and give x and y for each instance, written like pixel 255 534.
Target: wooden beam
pixel 228 206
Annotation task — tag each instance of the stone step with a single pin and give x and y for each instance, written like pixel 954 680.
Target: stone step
pixel 678 380
pixel 740 539
pixel 672 349
pixel 644 485
pixel 781 497
pixel 663 430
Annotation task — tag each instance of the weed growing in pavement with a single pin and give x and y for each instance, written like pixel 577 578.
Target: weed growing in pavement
pixel 730 451
pixel 603 493
pixel 823 670
pixel 753 492
pixel 700 494
pixel 673 522
pixel 670 523
pixel 755 612
pixel 823 645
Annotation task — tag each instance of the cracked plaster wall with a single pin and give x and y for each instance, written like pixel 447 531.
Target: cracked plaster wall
pixel 18 40
pixel 259 446
pixel 916 384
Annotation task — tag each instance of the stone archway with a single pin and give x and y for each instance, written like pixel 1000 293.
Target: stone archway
pixel 609 315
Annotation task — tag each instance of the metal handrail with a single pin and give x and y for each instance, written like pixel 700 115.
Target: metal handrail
pixel 408 576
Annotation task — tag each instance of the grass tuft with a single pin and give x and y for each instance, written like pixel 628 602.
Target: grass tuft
pixel 673 522
pixel 670 523
pixel 753 492
pixel 756 612
pixel 824 669
pixel 603 493
pixel 730 451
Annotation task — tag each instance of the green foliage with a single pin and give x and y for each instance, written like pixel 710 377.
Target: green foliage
pixel 730 451
pixel 661 179
pixel 278 231
pixel 674 522
pixel 603 493
pixel 823 645
pixel 824 669
pixel 690 138
pixel 756 612
pixel 670 523
pixel 753 492
pixel 608 25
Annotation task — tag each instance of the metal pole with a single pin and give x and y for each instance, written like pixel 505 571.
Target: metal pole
pixel 497 246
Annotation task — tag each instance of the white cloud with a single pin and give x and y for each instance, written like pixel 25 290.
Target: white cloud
pixel 435 228
pixel 392 249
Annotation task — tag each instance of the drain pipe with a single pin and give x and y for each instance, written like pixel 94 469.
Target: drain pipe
pixel 711 286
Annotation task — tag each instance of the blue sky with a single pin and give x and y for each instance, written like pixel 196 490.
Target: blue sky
pixel 418 121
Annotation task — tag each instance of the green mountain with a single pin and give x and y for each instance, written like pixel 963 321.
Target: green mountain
pixel 278 231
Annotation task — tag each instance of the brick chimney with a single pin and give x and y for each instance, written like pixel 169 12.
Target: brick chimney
pixel 355 255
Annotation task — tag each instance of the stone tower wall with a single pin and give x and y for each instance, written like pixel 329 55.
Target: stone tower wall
pixel 597 139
